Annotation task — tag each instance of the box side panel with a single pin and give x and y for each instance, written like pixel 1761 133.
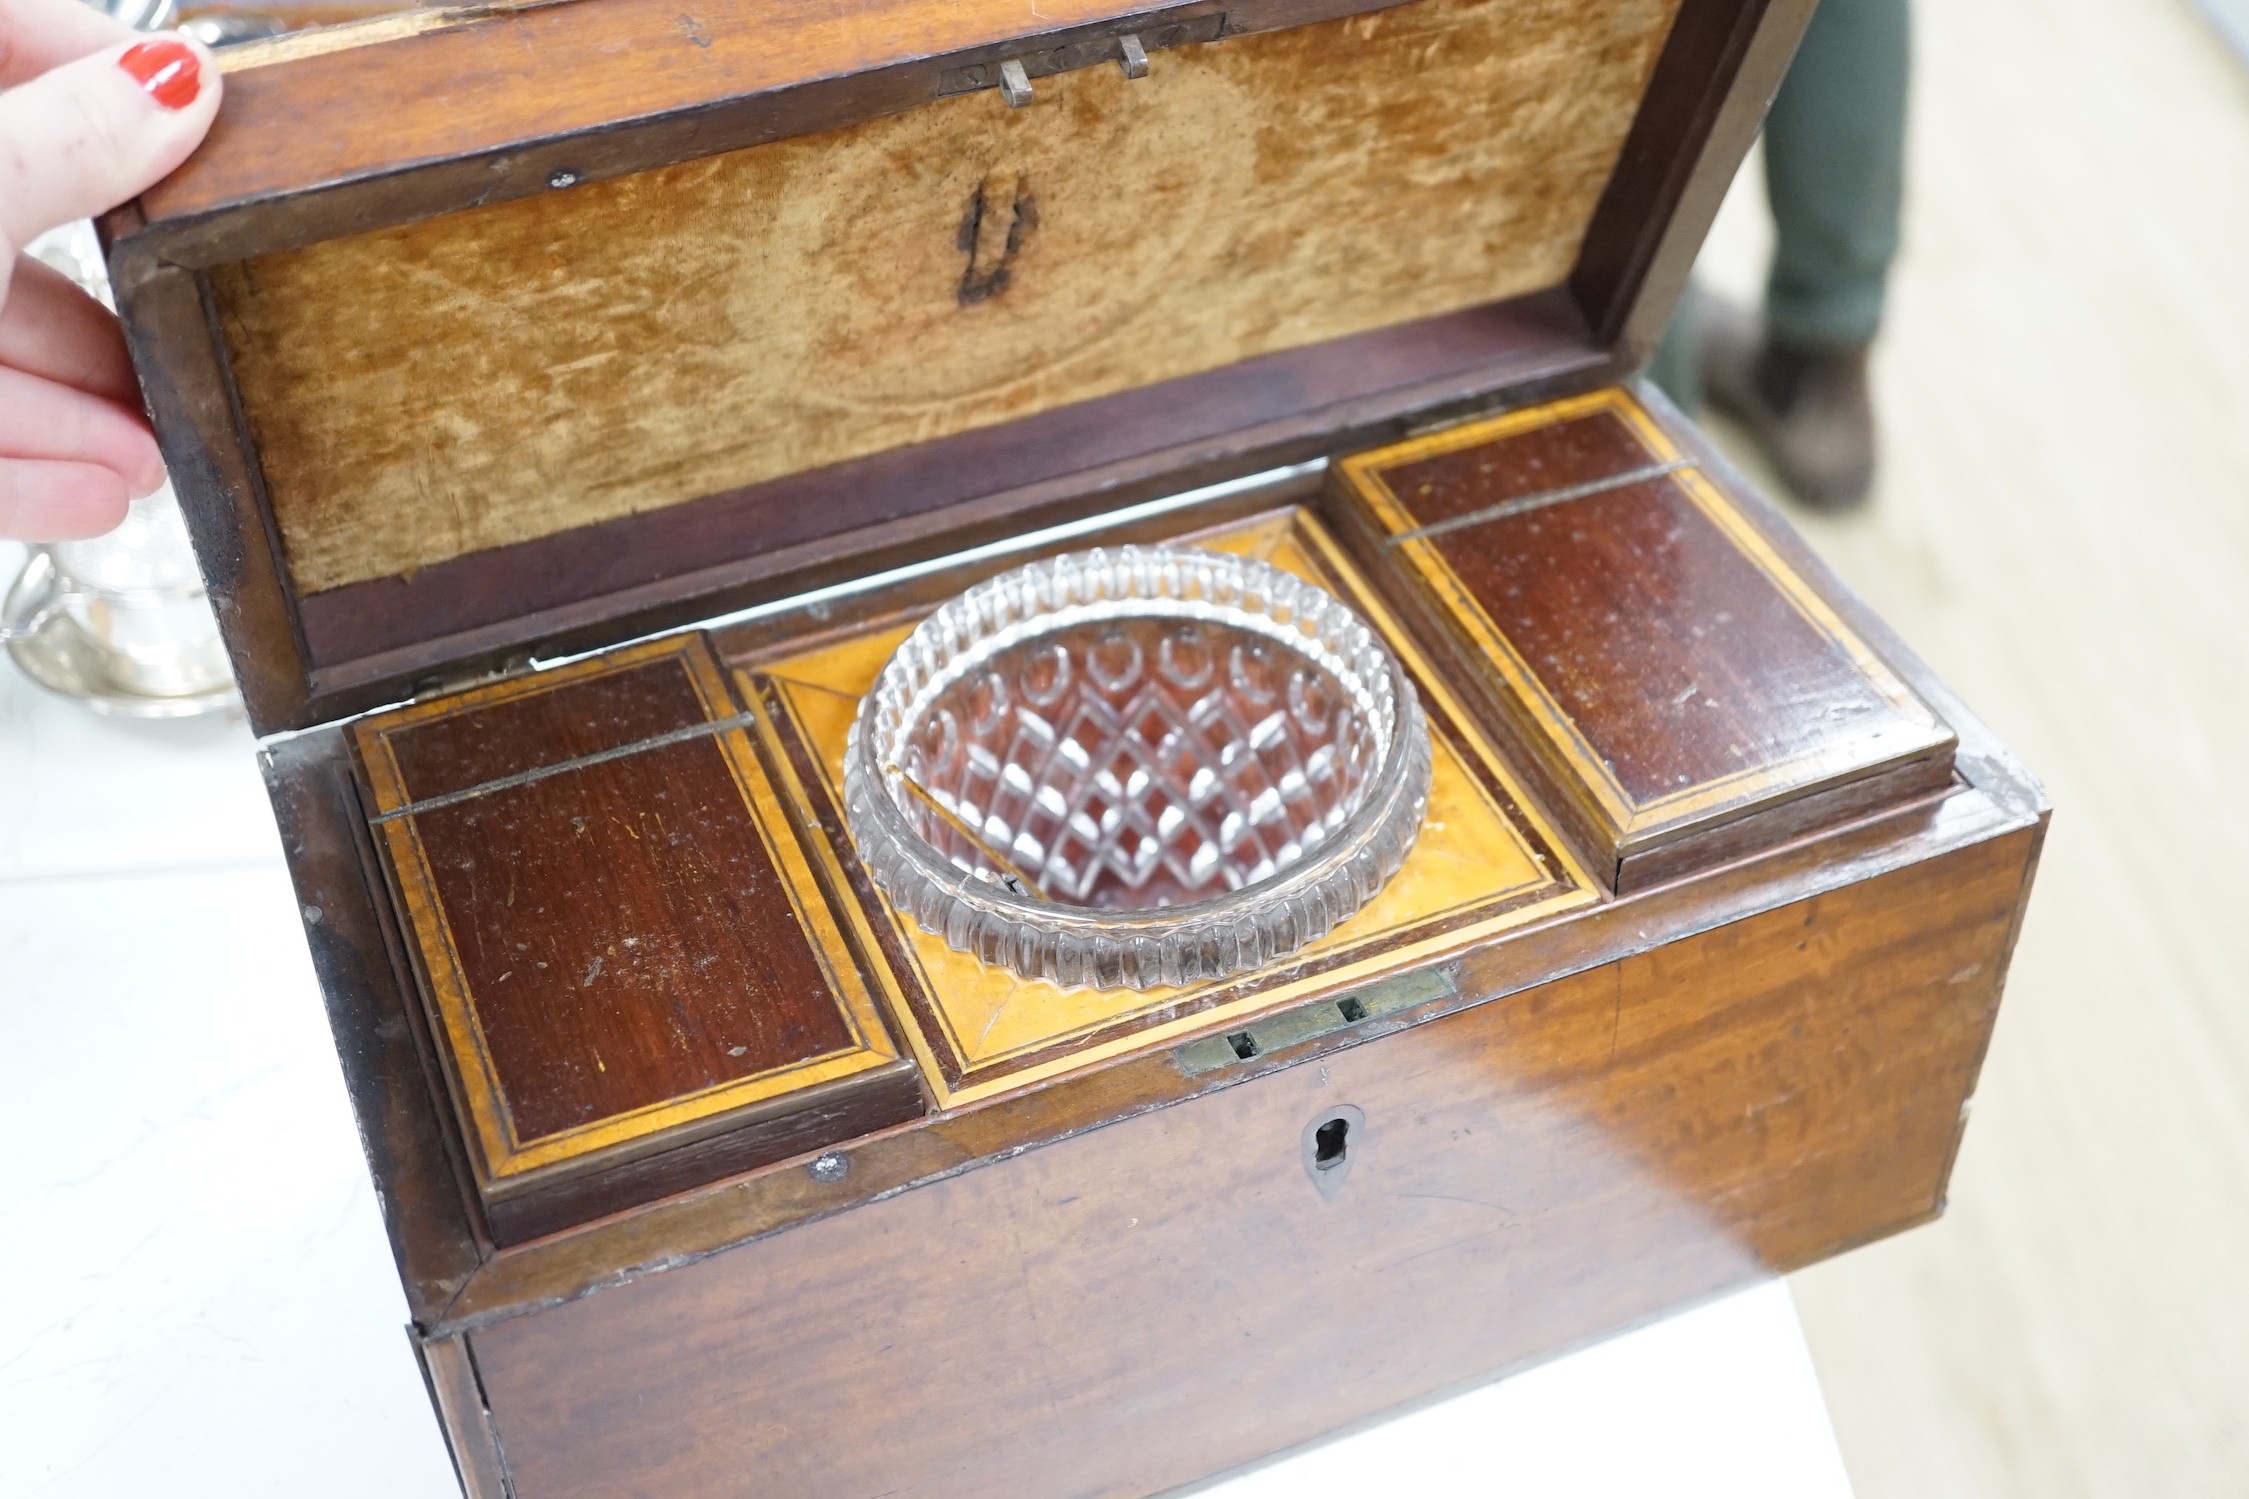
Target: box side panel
pixel 388 1066
pixel 1185 1291
pixel 459 1403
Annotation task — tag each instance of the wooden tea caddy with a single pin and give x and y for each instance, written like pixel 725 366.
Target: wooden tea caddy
pixel 574 404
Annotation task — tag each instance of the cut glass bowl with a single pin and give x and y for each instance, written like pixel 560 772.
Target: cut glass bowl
pixel 1137 766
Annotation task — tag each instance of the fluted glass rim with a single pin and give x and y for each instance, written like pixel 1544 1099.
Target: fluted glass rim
pixel 1085 947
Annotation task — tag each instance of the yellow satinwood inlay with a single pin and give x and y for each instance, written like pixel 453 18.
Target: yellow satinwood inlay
pixel 1471 873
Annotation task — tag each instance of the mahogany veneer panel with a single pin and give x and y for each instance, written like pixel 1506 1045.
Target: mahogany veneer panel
pixel 625 950
pixel 1678 673
pixel 568 720
pixel 1145 1304
pixel 568 1049
pixel 1672 691
pixel 528 368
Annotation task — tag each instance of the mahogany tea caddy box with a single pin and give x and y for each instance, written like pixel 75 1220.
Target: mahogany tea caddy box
pixel 575 405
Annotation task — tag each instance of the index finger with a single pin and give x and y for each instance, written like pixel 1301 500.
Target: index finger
pixel 84 137
pixel 36 35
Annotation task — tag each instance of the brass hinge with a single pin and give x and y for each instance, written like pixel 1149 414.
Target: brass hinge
pixel 1128 50
pixel 1483 408
pixel 460 679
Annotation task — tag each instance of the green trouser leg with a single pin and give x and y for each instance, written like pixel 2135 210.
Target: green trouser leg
pixel 1834 174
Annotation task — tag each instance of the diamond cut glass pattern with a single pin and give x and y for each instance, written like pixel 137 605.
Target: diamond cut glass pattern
pixel 1135 767
pixel 1135 764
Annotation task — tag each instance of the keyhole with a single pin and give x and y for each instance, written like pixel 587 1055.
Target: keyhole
pixel 1328 1142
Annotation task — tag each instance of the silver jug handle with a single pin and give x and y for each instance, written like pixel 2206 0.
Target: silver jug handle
pixel 141 15
pixel 34 612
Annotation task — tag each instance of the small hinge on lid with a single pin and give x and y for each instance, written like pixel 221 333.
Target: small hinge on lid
pixel 445 684
pixel 1444 421
pixel 1089 48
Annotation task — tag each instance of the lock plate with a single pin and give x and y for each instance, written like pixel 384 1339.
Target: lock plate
pixel 1310 1022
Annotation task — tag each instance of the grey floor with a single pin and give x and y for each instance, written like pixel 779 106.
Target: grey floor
pixel 2062 528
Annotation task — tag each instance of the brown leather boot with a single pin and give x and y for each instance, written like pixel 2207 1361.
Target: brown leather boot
pixel 1810 409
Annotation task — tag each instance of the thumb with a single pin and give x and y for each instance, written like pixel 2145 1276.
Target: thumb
pixel 80 139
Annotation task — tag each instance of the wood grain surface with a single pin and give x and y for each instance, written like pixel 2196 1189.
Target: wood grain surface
pixel 611 979
pixel 625 948
pixel 439 754
pixel 1530 1173
pixel 1649 640
pixel 626 346
pixel 461 81
pixel 1669 648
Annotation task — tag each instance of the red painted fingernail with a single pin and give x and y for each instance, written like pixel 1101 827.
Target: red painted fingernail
pixel 168 71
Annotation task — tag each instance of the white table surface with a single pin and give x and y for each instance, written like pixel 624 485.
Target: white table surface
pixel 195 1293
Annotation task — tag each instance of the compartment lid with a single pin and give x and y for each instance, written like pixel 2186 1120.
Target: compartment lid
pixel 475 334
pixel 634 975
pixel 1691 695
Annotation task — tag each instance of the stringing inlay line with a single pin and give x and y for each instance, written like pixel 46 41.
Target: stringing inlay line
pixel 1539 501
pixel 540 773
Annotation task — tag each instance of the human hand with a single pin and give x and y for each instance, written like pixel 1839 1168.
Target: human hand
pixel 92 114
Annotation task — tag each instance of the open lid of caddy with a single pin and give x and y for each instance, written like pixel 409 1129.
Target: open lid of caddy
pixel 481 334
